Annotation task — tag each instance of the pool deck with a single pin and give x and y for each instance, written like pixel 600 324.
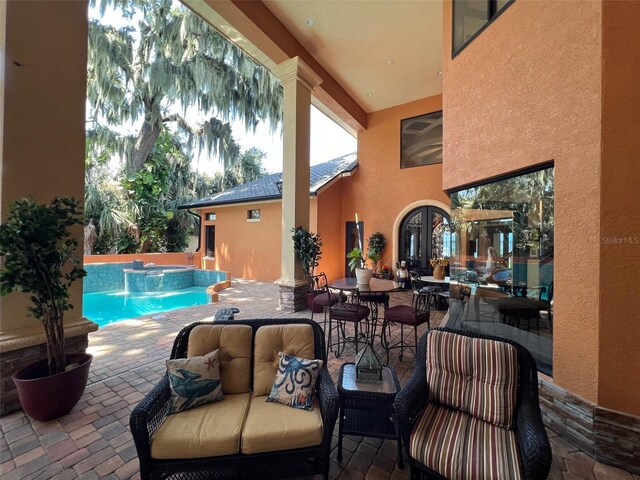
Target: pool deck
pixel 94 441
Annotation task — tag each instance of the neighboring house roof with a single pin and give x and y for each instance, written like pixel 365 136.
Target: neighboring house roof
pixel 265 188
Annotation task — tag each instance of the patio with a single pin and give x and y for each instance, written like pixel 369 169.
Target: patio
pixel 93 441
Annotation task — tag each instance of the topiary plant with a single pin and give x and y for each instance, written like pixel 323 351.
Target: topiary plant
pixel 39 258
pixel 377 242
pixel 307 247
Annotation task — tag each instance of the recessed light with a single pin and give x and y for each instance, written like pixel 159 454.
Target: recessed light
pixel 439 72
pixel 309 22
pixel 390 61
pixel 369 95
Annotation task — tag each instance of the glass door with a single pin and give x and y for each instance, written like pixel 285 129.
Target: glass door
pixel 424 233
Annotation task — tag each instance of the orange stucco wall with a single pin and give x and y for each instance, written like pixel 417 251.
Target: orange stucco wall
pixel 379 190
pixel 42 121
pixel 619 352
pixel 527 90
pixel 330 228
pixel 177 258
pixel 246 249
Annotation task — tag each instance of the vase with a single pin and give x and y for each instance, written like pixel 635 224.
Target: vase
pixel 438 272
pixel 363 276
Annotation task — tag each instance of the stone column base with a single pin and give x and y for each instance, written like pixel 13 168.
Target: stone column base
pixel 292 299
pixel 14 360
pixel 607 436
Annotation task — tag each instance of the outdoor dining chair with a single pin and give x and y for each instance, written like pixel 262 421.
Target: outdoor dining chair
pixel 348 310
pixel 414 315
pixel 322 296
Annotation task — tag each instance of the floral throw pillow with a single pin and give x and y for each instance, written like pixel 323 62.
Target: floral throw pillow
pixel 194 381
pixel 295 381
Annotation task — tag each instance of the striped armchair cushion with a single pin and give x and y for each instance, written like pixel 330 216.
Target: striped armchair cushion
pixel 474 375
pixel 459 446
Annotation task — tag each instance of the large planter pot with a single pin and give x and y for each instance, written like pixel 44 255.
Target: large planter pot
pixel 46 397
pixel 438 272
pixel 363 276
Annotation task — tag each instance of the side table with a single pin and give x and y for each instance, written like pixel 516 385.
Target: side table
pixel 366 409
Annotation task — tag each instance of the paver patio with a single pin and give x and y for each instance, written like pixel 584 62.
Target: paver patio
pixel 94 441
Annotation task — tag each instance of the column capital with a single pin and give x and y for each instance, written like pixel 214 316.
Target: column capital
pixel 296 69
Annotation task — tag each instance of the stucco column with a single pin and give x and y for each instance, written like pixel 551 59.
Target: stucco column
pixel 42 149
pixel 298 80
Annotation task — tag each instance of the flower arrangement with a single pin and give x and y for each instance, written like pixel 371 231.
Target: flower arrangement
pixel 439 262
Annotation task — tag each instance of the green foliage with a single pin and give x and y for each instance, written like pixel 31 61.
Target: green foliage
pixel 377 242
pixel 356 259
pixel 39 252
pixel 167 61
pixel 307 247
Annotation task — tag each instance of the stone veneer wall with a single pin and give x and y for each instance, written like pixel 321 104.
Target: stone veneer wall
pixel 292 299
pixel 608 436
pixel 12 361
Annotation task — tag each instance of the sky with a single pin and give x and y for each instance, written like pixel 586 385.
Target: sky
pixel 328 139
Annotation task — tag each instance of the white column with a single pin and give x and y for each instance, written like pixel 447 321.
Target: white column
pixel 298 80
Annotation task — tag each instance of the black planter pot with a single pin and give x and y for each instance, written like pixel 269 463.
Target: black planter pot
pixel 45 397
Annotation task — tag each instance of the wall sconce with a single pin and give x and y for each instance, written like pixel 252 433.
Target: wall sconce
pixel 279 185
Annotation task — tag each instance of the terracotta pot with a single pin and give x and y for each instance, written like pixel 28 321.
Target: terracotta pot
pixel 438 272
pixel 363 276
pixel 45 397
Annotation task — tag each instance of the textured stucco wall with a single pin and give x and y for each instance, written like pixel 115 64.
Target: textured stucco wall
pixel 619 377
pixel 526 91
pixel 246 249
pixel 43 143
pixel 379 190
pixel 330 229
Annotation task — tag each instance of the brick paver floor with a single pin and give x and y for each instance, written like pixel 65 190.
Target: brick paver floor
pixel 94 441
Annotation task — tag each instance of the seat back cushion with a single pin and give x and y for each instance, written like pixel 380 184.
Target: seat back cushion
pixel 475 375
pixel 234 344
pixel 292 339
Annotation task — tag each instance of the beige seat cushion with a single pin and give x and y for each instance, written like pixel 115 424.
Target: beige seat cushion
pixel 273 427
pixel 234 342
pixel 207 431
pixel 296 340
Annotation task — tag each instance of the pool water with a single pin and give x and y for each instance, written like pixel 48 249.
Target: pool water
pixel 109 307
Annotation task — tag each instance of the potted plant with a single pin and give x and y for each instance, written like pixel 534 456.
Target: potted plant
pixel 377 242
pixel 39 259
pixel 307 248
pixel 358 263
pixel 439 265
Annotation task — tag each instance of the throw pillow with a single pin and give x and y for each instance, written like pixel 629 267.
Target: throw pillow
pixel 295 381
pixel 194 381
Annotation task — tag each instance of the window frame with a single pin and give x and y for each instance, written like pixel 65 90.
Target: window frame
pixel 254 219
pixel 493 14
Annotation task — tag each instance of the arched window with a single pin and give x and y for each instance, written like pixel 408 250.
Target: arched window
pixel 424 233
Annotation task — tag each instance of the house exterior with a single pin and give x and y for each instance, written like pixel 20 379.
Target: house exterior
pixel 541 84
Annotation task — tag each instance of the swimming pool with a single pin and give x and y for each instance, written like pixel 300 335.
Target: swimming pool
pixel 109 307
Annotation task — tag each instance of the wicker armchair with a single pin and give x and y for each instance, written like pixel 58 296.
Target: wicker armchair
pixel 150 413
pixel 444 441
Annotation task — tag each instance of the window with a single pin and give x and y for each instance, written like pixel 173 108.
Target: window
pixel 502 246
pixel 210 216
pixel 253 215
pixel 421 140
pixel 210 240
pixel 470 17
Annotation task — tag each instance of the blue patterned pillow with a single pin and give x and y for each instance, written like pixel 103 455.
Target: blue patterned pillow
pixel 295 381
pixel 194 381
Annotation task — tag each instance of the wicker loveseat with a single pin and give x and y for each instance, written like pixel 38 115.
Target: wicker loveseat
pixel 242 436
pixel 471 410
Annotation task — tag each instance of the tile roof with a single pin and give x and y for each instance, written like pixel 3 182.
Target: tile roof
pixel 265 188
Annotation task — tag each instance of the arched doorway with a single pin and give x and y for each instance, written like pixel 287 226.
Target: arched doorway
pixel 424 233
